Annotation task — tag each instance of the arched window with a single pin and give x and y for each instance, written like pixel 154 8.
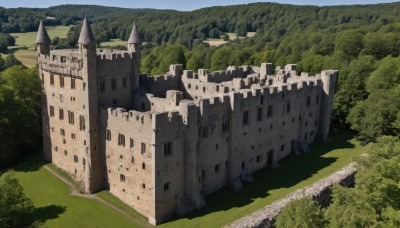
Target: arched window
pixel 82 125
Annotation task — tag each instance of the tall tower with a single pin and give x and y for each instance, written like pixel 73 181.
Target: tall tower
pixel 87 51
pixel 135 48
pixel 329 81
pixel 42 40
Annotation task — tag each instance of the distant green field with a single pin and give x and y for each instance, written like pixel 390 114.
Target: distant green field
pixel 57 208
pixel 24 50
pixel 114 42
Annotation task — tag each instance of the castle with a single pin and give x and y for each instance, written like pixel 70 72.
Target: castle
pixel 160 144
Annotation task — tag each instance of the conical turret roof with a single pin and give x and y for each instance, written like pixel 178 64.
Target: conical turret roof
pixel 42 36
pixel 86 36
pixel 134 37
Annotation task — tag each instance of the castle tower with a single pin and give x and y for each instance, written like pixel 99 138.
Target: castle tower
pixel 329 80
pixel 42 40
pixel 87 51
pixel 135 47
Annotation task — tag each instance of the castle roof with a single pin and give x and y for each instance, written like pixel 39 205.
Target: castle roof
pixel 86 36
pixel 134 37
pixel 42 36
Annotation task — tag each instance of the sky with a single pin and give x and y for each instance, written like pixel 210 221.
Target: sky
pixel 181 5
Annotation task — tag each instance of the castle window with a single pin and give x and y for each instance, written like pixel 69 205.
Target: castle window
pixel 108 135
pixel 167 149
pixel 271 126
pixel 262 99
pixel 84 86
pixel 122 178
pixel 205 132
pixel 133 159
pixel 259 114
pixel 217 88
pixel 131 143
pixel 282 147
pixel 73 136
pixel 143 185
pixel 113 83
pixel 76 159
pixel 269 111
pixel 311 133
pixel 72 83
pixel 71 117
pixel 258 158
pixel 166 186
pixel 121 140
pixel 121 156
pixel 124 82
pixel 83 161
pixel 62 132
pixel 245 117
pixel 102 86
pixel 225 126
pixel 216 146
pixel 305 136
pixel 308 101
pixel 270 82
pixel 317 99
pixel 51 79
pixel 203 173
pixel 216 168
pixel 61 114
pixel 143 165
pixel 61 81
pixel 51 111
pixel 204 89
pixel 287 107
pixel 82 126
pixel 143 148
pixel 242 165
pixel 63 59
pixel 189 86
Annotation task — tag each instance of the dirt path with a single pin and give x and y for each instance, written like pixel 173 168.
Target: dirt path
pixel 75 192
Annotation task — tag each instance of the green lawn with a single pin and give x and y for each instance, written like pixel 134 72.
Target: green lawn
pixel 114 42
pixel 224 206
pixel 24 50
pixel 57 208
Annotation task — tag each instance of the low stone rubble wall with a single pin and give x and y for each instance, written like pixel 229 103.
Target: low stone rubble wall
pixel 320 191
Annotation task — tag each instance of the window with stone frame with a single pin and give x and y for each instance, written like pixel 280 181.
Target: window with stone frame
pixel 166 186
pixel 122 178
pixel 102 86
pixel 143 148
pixel 131 143
pixel 245 117
pixel 113 83
pixel 61 81
pixel 51 108
pixel 82 125
pixel 108 135
pixel 61 114
pixel 71 117
pixel 269 110
pixel 167 149
pixel 76 159
pixel 259 114
pixel 72 83
pixel 121 140
pixel 51 79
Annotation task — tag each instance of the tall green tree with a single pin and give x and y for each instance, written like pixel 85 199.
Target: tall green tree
pixel 15 207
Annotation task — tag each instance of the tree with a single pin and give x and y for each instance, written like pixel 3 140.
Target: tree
pixel 20 118
pixel 11 61
pixel 220 58
pixel 375 116
pixel 15 208
pixel 302 212
pixel 350 43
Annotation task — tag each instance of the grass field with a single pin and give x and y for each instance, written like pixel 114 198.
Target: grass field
pixel 231 35
pixel 24 49
pixel 57 208
pixel 114 42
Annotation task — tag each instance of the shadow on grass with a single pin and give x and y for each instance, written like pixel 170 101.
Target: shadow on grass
pixel 294 170
pixel 42 214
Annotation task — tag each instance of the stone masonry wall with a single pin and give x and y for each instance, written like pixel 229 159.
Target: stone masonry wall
pixel 320 191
